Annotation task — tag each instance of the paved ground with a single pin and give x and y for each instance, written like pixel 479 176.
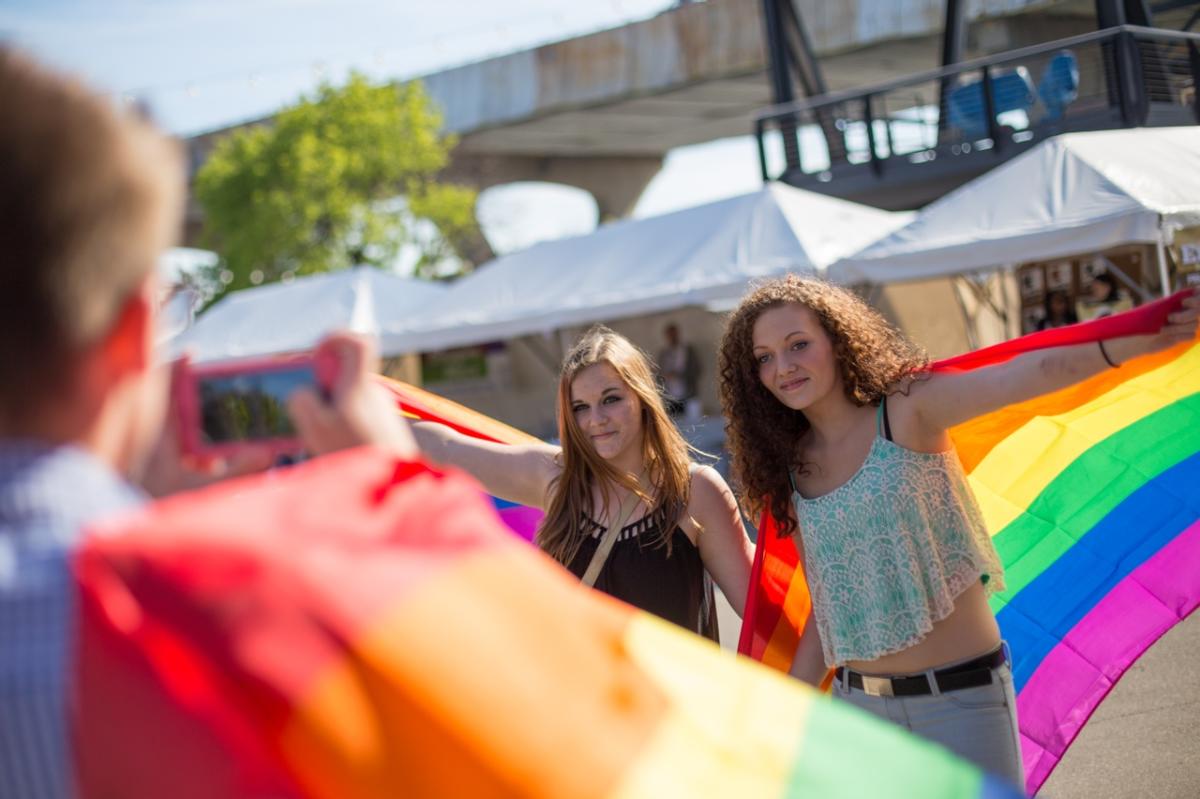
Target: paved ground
pixel 1144 739
pixel 1143 742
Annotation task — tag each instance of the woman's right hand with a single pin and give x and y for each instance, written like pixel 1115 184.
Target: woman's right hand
pixel 1180 326
pixel 808 664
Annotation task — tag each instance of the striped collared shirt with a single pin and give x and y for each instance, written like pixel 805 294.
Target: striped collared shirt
pixel 47 495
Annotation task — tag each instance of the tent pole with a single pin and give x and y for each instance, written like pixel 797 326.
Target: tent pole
pixel 1012 321
pixel 872 293
pixel 1129 283
pixel 538 346
pixel 1160 246
pixel 968 322
pixel 983 294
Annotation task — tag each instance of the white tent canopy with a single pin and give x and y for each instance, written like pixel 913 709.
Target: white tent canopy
pixel 291 317
pixel 1075 193
pixel 690 257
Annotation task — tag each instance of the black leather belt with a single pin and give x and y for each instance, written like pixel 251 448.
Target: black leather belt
pixel 972 674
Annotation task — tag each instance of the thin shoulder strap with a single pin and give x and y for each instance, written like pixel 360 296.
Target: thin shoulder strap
pixel 606 544
pixel 792 480
pixel 882 425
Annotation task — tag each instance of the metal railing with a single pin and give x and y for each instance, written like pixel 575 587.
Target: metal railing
pixel 1126 76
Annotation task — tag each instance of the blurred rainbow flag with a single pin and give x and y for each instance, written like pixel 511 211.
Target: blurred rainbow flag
pixel 360 627
pixel 1090 494
pixel 417 404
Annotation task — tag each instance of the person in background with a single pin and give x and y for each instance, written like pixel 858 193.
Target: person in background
pixel 678 370
pixel 89 199
pixel 1104 298
pixel 1059 312
pixel 623 467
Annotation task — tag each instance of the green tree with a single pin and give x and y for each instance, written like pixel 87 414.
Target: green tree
pixel 345 177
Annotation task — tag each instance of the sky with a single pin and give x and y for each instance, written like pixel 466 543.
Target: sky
pixel 204 64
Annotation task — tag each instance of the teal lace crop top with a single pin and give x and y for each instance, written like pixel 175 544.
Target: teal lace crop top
pixel 888 552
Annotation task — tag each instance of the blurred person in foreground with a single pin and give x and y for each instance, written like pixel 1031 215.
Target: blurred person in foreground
pixel 89 198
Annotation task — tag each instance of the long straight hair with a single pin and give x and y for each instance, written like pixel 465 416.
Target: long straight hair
pixel 665 453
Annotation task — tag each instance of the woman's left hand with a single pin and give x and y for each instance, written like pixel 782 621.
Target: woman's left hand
pixel 727 553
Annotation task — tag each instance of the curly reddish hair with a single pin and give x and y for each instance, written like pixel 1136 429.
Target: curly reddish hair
pixel 763 434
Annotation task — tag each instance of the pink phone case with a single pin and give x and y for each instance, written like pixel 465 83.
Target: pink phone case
pixel 187 405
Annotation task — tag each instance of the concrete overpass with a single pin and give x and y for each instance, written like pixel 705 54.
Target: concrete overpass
pixel 600 111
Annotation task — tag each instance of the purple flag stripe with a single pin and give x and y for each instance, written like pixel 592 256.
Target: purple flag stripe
pixel 1080 671
pixel 522 520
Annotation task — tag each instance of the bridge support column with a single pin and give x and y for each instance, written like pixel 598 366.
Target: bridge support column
pixel 616 182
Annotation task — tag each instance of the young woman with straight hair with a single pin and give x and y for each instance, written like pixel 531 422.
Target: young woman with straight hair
pixel 622 462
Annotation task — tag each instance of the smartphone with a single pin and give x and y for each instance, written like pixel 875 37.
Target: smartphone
pixel 225 406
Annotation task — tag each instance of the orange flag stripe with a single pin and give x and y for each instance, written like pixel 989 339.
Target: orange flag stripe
pixel 976 438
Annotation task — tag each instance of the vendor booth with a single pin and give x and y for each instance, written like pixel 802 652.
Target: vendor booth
pixel 687 258
pixel 500 332
pixel 290 317
pixel 1123 202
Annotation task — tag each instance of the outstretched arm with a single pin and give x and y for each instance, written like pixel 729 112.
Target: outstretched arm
pixel 948 399
pixel 808 664
pixel 516 472
pixel 724 547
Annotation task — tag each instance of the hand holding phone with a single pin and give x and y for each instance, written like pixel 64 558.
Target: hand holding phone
pixel 224 407
pixel 315 404
pixel 177 462
pixel 356 410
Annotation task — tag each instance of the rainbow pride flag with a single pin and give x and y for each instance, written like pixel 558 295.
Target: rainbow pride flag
pixel 1090 495
pixel 359 627
pixel 420 405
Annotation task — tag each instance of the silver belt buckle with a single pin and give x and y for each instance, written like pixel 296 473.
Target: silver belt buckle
pixel 877 686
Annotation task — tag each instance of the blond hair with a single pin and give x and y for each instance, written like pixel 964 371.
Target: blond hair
pixel 89 197
pixel 665 453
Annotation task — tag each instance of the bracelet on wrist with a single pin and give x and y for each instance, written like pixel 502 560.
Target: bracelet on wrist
pixel 1104 353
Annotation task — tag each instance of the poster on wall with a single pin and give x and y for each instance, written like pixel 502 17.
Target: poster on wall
pixel 1032 284
pixel 1189 258
pixel 1189 263
pixel 1189 255
pixel 1058 276
pixel 453 366
pixel 1031 318
pixel 483 366
pixel 1089 270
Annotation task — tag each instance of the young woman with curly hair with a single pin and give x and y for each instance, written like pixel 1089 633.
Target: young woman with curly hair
pixel 622 458
pixel 837 428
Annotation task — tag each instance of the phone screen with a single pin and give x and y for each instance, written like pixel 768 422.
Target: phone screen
pixel 250 405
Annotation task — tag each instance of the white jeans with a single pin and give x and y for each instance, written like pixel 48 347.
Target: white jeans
pixel 978 724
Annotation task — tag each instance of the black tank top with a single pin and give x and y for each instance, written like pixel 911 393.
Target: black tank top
pixel 638 571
